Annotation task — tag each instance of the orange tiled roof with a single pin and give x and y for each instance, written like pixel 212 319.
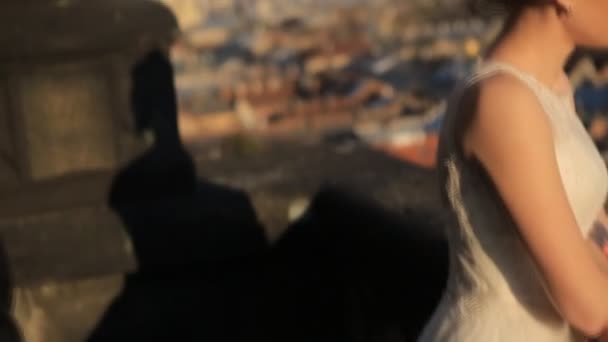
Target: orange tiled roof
pixel 422 154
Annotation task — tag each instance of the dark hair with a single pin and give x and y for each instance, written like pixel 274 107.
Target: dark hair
pixel 506 7
pixel 153 90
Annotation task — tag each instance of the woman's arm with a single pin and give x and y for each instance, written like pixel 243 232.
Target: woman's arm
pixel 512 138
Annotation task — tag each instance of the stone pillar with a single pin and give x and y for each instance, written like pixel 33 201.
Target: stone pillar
pixel 66 127
pixel 64 69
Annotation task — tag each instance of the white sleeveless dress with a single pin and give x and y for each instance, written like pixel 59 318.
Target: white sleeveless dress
pixel 495 291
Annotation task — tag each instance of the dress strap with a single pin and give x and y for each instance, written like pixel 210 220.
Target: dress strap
pixel 490 68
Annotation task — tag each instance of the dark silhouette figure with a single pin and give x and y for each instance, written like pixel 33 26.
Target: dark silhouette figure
pixel 353 271
pixel 167 169
pixel 347 271
pixel 197 244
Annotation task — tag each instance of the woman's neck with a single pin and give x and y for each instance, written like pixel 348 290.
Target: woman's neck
pixel 535 41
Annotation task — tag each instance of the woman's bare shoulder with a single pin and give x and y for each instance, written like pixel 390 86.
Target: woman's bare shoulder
pixel 502 107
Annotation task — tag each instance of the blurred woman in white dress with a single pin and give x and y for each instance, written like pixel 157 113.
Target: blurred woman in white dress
pixel 524 188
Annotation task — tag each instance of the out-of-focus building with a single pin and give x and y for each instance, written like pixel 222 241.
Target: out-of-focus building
pixel 280 68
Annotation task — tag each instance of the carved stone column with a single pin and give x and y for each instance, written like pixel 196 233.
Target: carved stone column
pixel 66 126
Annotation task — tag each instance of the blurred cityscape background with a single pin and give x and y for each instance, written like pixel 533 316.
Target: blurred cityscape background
pixel 375 72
